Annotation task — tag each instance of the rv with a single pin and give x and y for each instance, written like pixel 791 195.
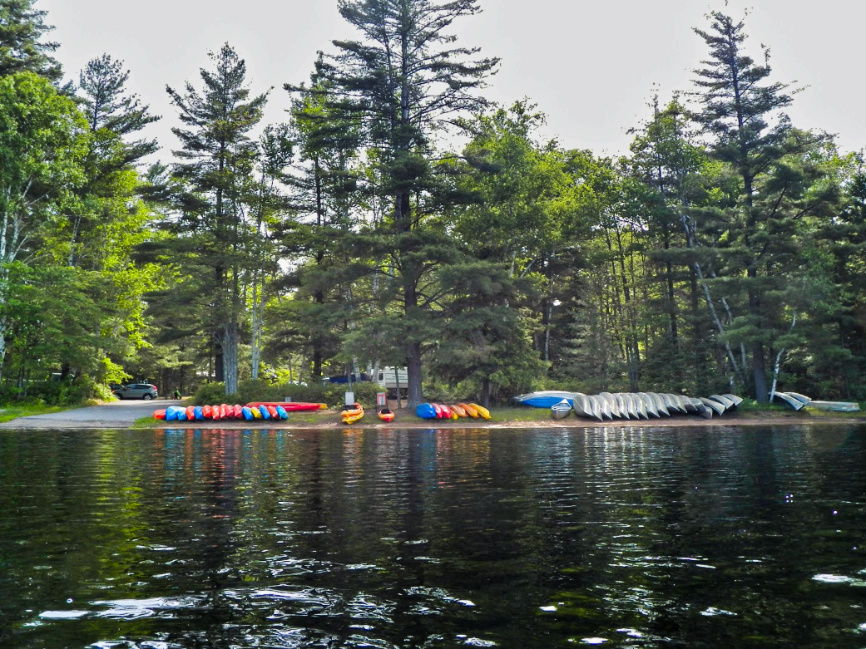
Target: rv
pixel 392 378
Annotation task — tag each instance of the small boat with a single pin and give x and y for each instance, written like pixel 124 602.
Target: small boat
pixel 672 403
pixel 796 404
pixel 352 413
pixel 738 400
pixel 560 410
pixel 159 414
pixel 470 410
pixel 835 406
pixel 727 403
pixel 661 408
pixel 581 409
pixel 483 412
pixel 701 409
pixel 799 397
pixel 425 411
pixel 649 404
pixel 458 410
pixel 594 406
pixel 291 406
pixel 622 405
pixel 544 398
pixel 386 415
pixel 612 405
pixel 718 408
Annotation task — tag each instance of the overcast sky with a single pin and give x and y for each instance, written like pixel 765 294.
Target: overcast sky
pixel 591 65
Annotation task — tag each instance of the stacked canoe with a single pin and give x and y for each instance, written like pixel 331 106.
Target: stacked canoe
pixel 455 411
pixel 629 405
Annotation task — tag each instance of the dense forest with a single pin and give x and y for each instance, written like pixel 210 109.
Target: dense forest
pixel 397 218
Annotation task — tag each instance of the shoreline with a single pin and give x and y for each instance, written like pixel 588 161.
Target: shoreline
pixel 127 416
pixel 446 425
pixel 476 424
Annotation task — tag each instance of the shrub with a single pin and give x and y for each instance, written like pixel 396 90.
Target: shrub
pixel 210 393
pixel 248 391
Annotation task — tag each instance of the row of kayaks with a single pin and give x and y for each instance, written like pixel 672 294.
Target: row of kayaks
pixel 249 412
pixel 456 411
pixel 632 405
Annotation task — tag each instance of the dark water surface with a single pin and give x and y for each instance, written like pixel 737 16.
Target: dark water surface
pixel 618 537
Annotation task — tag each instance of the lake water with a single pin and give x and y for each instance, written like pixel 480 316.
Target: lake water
pixel 614 537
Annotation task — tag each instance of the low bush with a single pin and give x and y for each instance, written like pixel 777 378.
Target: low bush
pixel 213 393
pixel 56 393
pixel 332 394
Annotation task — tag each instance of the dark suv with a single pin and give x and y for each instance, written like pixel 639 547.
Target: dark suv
pixel 144 391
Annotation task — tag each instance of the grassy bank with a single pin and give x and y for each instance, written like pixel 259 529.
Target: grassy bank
pixel 10 412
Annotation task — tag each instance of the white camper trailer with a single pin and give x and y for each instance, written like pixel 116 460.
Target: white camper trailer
pixel 392 379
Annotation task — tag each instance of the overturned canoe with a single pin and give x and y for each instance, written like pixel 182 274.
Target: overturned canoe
pixel 796 404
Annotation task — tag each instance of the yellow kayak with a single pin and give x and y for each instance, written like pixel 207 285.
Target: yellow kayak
pixel 353 414
pixel 470 410
pixel 482 411
pixel 256 412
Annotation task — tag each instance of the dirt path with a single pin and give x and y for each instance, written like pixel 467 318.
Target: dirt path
pixel 116 414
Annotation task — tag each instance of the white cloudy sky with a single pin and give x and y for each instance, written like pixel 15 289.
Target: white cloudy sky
pixel 591 65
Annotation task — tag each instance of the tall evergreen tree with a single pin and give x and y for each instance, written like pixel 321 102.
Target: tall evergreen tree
pixel 109 107
pixel 326 197
pixel 21 49
pixel 405 81
pixel 215 154
pixel 741 111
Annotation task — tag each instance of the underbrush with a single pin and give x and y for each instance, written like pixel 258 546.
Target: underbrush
pixel 332 394
pixel 66 393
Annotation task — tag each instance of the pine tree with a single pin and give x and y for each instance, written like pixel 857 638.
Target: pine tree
pixel 741 112
pixel 326 188
pixel 102 91
pixel 21 28
pixel 404 81
pixel 215 154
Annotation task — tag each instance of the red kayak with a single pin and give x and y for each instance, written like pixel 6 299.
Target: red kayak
pixel 290 406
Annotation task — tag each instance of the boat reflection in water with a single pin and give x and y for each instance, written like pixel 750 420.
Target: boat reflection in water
pixel 620 536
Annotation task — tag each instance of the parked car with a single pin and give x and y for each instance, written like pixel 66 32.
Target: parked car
pixel 146 391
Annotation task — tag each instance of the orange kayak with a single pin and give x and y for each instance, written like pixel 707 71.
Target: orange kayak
pixel 386 415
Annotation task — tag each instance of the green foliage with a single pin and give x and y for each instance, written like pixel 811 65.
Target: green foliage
pixel 248 391
pixel 64 392
pixel 21 47
pixel 214 393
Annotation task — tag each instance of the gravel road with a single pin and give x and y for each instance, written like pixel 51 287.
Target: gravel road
pixel 117 414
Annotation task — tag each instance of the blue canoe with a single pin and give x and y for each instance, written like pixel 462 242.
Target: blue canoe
pixel 545 398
